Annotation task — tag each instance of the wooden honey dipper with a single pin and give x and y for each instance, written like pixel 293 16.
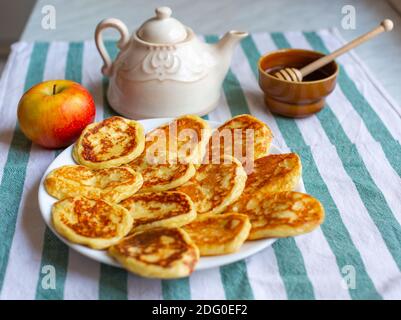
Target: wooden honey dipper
pixel 292 74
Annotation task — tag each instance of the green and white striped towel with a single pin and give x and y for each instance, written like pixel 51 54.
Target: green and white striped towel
pixel 351 157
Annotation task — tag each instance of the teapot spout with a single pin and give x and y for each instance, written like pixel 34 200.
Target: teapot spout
pixel 227 44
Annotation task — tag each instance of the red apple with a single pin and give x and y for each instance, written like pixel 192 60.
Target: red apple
pixel 54 113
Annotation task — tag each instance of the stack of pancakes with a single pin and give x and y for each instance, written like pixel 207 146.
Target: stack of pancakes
pixel 157 202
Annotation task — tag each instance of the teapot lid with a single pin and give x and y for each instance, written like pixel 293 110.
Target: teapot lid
pixel 162 29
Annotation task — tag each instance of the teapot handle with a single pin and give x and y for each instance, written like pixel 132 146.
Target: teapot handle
pixel 124 38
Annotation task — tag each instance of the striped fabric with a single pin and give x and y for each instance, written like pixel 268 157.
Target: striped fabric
pixel 351 156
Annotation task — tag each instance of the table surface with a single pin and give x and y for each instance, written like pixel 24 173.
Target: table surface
pixel 77 19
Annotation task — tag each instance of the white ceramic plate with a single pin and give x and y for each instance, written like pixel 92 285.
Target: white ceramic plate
pixel 46 201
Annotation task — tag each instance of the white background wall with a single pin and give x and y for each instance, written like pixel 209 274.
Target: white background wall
pixel 13 17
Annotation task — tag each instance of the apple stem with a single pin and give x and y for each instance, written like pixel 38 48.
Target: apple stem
pixel 54 90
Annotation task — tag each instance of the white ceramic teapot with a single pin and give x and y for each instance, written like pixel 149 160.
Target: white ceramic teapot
pixel 163 69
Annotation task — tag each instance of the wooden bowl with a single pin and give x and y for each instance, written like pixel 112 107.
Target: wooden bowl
pixel 295 99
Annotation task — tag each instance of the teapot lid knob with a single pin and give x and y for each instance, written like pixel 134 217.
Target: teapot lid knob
pixel 162 29
pixel 163 12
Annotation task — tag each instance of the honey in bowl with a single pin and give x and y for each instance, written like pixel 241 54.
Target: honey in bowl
pixel 314 76
pixel 295 99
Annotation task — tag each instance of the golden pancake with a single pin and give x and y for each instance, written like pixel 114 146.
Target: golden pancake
pixel 95 223
pixel 112 184
pixel 157 253
pixel 280 214
pixel 109 143
pixel 162 176
pixel 183 140
pixel 160 168
pixel 273 173
pixel 237 136
pixel 215 186
pixel 219 234
pixel 159 209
